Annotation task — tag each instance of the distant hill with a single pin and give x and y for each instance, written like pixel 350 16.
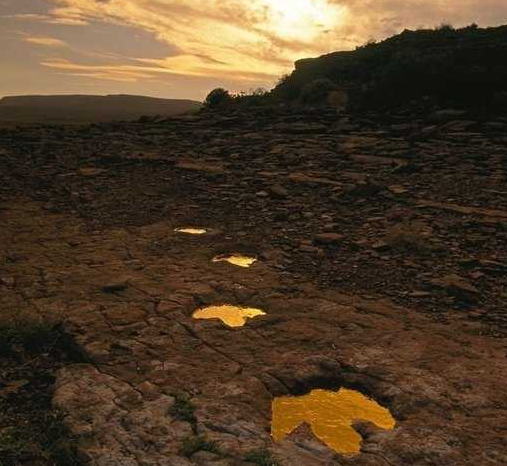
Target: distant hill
pixel 444 66
pixel 88 108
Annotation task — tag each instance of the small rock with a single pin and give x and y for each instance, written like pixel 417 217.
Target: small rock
pixel 380 246
pixel 329 238
pixel 309 249
pixel 477 313
pixel 114 287
pixel 363 190
pixel 396 189
pixel 443 116
pixel 91 171
pixel 469 262
pixel 8 281
pixel 419 294
pixel 405 169
pixel 278 192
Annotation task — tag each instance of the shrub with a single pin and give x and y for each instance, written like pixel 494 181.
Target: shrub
pixel 445 27
pixel 197 443
pixel 183 410
pixel 255 97
pixel 48 437
pixel 217 98
pixel 261 457
pixel 26 332
pixel 286 89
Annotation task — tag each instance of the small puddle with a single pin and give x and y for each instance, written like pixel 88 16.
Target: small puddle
pixel 330 415
pixel 191 231
pixel 233 316
pixel 236 259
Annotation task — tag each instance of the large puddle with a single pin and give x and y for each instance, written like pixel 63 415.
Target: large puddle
pixel 236 259
pixel 191 231
pixel 233 316
pixel 330 415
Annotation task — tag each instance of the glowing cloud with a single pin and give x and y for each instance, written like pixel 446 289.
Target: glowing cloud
pixel 45 41
pixel 251 41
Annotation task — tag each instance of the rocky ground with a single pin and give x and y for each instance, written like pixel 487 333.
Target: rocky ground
pixel 382 247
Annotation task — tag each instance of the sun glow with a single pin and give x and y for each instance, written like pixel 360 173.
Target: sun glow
pixel 302 19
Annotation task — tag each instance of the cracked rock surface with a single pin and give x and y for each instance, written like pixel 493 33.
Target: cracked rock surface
pixel 381 268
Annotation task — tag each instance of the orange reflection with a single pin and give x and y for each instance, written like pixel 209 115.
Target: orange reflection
pixel 233 316
pixel 330 415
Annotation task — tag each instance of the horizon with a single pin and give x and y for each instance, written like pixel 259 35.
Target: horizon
pixel 92 95
pixel 183 49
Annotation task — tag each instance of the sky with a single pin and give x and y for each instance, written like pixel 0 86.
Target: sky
pixel 185 48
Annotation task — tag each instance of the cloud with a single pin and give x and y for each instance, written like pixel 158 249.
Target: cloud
pixel 151 68
pixel 382 18
pixel 26 17
pixel 45 41
pixel 256 40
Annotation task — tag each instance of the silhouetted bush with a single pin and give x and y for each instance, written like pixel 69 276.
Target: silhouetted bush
pixel 217 98
pixel 255 97
pixel 286 89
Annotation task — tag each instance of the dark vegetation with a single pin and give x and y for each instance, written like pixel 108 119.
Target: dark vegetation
pixel 424 69
pixel 261 457
pixel 183 410
pixel 32 432
pixel 196 443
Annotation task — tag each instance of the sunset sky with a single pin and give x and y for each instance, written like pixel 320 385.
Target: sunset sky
pixel 185 48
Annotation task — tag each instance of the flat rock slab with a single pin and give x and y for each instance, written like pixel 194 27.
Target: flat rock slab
pixel 201 167
pixel 444 384
pixel 465 210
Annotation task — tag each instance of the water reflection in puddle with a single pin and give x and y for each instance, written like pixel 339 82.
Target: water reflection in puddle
pixel 330 415
pixel 236 259
pixel 233 316
pixel 191 231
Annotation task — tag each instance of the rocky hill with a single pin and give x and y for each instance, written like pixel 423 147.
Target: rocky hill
pixel 88 108
pixel 457 67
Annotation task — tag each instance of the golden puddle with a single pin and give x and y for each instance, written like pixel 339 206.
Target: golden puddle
pixel 330 415
pixel 191 231
pixel 236 259
pixel 233 316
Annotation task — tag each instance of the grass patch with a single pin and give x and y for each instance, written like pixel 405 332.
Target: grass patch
pixel 45 439
pixel 196 443
pixel 31 431
pixel 261 457
pixel 13 446
pixel 27 333
pixel 183 410
pixel 57 441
